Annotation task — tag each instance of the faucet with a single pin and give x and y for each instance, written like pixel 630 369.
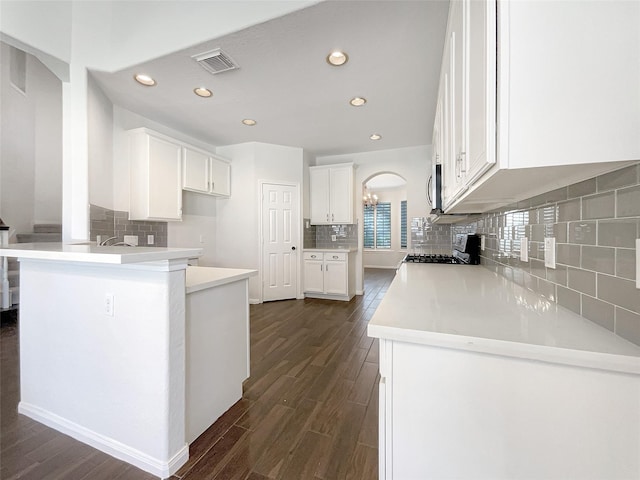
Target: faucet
pixel 104 243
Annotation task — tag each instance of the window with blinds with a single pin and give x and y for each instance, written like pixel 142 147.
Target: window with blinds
pixel 403 224
pixel 377 226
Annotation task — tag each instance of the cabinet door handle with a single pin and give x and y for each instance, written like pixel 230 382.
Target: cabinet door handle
pixel 327 217
pixel 332 217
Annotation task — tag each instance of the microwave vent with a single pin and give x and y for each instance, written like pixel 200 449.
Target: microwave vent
pixel 215 61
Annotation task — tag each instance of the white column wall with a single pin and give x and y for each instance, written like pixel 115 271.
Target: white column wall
pixel 119 381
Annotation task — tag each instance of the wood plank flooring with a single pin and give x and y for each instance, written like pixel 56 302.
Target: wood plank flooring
pixel 309 409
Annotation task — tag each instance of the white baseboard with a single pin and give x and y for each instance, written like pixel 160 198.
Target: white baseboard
pixel 154 466
pixel 359 292
pixel 254 301
pixel 388 267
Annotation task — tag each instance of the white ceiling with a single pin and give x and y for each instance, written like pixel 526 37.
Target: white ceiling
pixel 284 82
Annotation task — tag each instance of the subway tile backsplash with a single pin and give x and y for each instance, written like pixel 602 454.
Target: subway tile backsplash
pixel 595 223
pixel 346 236
pixel 114 223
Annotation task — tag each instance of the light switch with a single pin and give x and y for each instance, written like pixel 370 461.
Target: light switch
pixel 524 249
pixel 550 252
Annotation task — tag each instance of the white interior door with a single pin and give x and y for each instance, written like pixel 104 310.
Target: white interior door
pixel 280 241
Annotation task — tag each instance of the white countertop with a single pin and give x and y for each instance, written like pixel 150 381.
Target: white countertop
pixel 343 250
pixel 201 278
pixel 96 254
pixel 471 308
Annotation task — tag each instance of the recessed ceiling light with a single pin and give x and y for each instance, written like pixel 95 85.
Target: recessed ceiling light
pixel 337 58
pixel 375 136
pixel 145 80
pixel 358 101
pixel 202 92
pixel 249 122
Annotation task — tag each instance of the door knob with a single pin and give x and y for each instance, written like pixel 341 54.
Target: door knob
pixel 293 248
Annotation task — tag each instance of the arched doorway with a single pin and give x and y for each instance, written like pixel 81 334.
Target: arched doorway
pixel 385 225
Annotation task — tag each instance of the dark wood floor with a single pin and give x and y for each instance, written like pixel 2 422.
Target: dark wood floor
pixel 309 409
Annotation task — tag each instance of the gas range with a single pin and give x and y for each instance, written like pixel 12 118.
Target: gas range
pixel 466 251
pixel 431 258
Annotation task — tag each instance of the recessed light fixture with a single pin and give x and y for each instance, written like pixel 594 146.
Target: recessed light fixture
pixel 145 80
pixel 375 136
pixel 202 92
pixel 337 58
pixel 358 101
pixel 249 122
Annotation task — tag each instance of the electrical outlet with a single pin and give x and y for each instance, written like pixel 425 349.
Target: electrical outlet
pixel 150 239
pixel 131 240
pixel 108 304
pixel 550 252
pixel 333 238
pixel 483 241
pixel 202 239
pixel 637 262
pixel 524 249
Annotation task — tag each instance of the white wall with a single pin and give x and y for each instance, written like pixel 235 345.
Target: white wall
pixel 30 147
pixel 40 28
pixel 238 225
pixel 109 36
pixel 100 146
pixel 411 163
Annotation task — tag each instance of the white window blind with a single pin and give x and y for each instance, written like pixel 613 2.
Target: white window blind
pixel 377 226
pixel 403 224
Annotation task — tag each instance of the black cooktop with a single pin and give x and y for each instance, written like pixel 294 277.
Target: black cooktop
pixel 431 258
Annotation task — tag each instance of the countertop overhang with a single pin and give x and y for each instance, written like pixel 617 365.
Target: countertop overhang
pixel 471 308
pixel 202 278
pixel 96 254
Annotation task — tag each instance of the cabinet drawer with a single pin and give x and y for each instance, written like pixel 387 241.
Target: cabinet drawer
pixel 313 255
pixel 336 257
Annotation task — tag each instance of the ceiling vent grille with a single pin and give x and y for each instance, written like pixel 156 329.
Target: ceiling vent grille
pixel 215 61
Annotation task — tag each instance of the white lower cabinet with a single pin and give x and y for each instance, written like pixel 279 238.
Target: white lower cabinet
pixel 457 413
pixel 329 274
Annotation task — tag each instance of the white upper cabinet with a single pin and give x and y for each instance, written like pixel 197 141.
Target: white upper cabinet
pixel 195 171
pixel 220 177
pixel 156 186
pixel 535 96
pixel 331 194
pixel 205 173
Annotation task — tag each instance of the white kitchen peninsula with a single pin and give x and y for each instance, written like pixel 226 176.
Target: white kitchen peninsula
pixel 104 345
pixel 483 379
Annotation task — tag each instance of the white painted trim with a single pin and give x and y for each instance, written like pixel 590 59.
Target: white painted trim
pixel 154 466
pixel 388 267
pixel 255 301
pixel 359 292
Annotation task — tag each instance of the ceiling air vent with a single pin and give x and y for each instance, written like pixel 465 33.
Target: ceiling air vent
pixel 215 61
